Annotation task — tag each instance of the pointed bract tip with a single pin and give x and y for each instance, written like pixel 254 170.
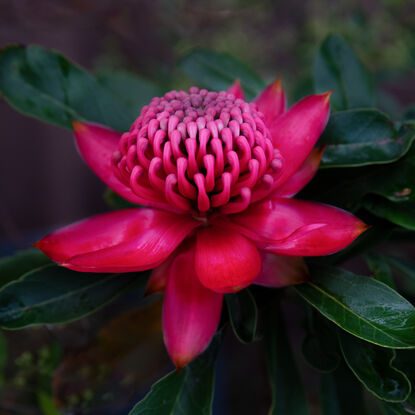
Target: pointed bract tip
pixel 277 83
pixel 78 126
pixel 326 96
pixel 181 362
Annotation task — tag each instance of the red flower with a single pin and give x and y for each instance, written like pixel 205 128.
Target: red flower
pixel 216 174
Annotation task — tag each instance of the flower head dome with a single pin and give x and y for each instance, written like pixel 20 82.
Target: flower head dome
pixel 201 151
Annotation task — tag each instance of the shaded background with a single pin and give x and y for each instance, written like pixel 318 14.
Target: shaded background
pixel 44 184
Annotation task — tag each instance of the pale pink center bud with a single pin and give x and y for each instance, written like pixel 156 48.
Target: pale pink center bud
pixel 201 151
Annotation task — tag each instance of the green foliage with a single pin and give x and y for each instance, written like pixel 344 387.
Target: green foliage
pixel 288 396
pixel 243 314
pixel 374 367
pixel 54 294
pixel 218 71
pixel 336 67
pixel 189 391
pixel 14 266
pixel 362 137
pixel 44 84
pixel 361 305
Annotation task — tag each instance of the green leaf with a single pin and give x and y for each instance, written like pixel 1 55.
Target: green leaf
pixel 402 214
pixel 362 137
pixel 319 347
pixel 337 67
pixel 115 201
pixel 288 395
pixel 217 71
pixel 132 90
pixel 189 391
pixel 380 268
pixel 406 269
pixel 361 305
pixel 45 85
pixel 243 314
pixel 373 366
pixel 336 390
pixel 405 361
pixel 14 266
pixel 54 294
pixel 347 187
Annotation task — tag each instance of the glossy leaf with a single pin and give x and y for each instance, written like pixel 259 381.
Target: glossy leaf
pixel 319 347
pixel 288 396
pixel 14 266
pixel 374 367
pixel 347 188
pixel 336 390
pixel 243 314
pixel 402 214
pixel 45 85
pixel 361 305
pixel 131 89
pixel 380 268
pixel 337 67
pixel 406 270
pixel 189 391
pixel 361 137
pixel 217 71
pixel 54 294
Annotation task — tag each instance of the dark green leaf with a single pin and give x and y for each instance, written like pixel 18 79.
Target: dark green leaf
pixel 189 391
pixel 347 187
pixel 243 314
pixel 402 214
pixel 406 269
pixel 319 347
pixel 288 396
pixel 341 393
pixel 132 90
pixel 115 201
pixel 362 137
pixel 405 361
pixel 14 266
pixel 44 84
pixel 54 294
pixel 217 71
pixel 373 366
pixel 361 305
pixel 337 67
pixel 380 268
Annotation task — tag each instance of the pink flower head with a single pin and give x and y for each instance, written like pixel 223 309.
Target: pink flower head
pixel 216 175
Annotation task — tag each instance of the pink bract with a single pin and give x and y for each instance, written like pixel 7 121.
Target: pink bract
pixel 216 175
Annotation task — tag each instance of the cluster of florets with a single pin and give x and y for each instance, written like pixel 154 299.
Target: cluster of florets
pixel 201 151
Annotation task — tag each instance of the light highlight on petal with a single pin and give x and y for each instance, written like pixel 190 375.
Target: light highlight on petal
pixel 298 228
pixel 122 241
pixel 225 260
pixel 295 133
pixel 191 312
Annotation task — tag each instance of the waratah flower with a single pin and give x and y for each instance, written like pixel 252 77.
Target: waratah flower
pixel 216 175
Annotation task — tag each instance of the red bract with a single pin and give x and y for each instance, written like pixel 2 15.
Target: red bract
pixel 216 174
